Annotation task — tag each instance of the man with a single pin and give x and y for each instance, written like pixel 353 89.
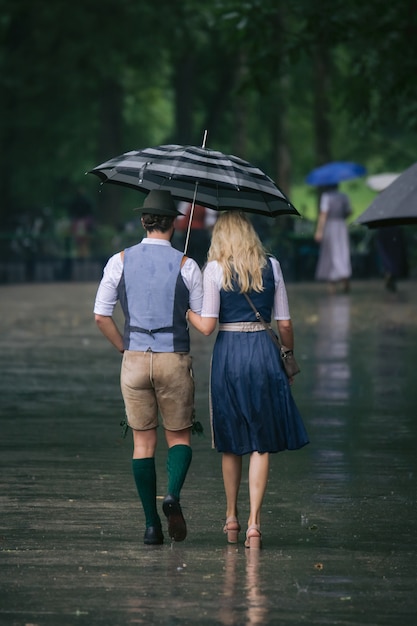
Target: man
pixel 155 285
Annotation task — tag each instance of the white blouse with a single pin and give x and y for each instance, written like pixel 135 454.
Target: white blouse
pixel 212 283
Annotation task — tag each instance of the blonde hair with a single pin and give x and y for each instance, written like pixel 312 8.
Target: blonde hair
pixel 239 251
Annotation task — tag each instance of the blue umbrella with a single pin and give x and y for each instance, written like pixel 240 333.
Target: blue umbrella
pixel 333 173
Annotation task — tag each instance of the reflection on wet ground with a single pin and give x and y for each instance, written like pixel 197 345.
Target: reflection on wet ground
pixel 339 522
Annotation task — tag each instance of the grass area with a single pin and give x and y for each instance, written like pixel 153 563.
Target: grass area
pixel 304 198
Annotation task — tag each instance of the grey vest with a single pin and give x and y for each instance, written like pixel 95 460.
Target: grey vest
pixel 154 299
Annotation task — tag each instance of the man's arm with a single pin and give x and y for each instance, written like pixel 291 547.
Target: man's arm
pixel 109 329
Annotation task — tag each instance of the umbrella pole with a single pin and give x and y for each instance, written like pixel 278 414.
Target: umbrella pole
pixel 190 220
pixel 193 203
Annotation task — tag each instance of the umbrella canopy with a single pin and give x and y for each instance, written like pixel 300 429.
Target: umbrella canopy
pixel 334 173
pixel 198 175
pixel 396 205
pixel 379 182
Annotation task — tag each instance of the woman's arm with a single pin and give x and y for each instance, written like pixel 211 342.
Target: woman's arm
pixel 318 235
pixel 205 325
pixel 286 333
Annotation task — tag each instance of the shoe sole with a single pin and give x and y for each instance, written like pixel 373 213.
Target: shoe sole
pixel 177 528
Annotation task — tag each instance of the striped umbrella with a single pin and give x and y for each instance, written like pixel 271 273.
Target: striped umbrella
pixel 200 176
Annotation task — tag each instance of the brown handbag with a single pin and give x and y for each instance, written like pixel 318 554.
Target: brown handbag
pixel 289 363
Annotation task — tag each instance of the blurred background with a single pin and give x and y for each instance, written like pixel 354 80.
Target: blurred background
pixel 287 86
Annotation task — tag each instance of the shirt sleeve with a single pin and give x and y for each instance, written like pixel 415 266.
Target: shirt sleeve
pixel 212 281
pixel 210 217
pixel 281 307
pixel 325 202
pixel 193 280
pixel 107 295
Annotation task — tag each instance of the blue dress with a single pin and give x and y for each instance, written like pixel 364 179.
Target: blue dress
pixel 251 401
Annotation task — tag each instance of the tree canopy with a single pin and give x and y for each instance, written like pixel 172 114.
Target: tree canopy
pixel 285 85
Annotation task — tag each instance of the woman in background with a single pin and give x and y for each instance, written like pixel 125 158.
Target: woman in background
pixel 253 411
pixel 334 265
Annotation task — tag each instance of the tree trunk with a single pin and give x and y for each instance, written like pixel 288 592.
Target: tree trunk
pixel 110 144
pixel 322 130
pixel 281 150
pixel 184 92
pixel 322 126
pixel 240 113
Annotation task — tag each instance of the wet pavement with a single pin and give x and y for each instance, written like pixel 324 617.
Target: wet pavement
pixel 340 516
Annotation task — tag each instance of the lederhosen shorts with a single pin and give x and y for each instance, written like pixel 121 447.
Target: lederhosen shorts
pixel 157 382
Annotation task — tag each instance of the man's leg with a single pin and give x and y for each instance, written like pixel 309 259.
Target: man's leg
pixel 143 466
pixel 178 463
pixel 179 459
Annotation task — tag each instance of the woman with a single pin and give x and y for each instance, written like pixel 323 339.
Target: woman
pixel 253 411
pixel 334 263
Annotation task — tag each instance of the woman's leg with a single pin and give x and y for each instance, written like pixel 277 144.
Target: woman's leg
pixel 232 474
pixel 258 479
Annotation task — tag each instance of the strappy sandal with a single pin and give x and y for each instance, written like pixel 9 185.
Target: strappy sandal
pixel 253 537
pixel 231 529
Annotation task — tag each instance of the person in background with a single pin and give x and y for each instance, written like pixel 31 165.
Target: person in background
pixel 155 285
pixel 82 223
pixel 253 411
pixel 391 246
pixel 334 264
pixel 202 224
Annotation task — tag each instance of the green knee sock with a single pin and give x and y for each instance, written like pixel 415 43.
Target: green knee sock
pixel 145 478
pixel 178 462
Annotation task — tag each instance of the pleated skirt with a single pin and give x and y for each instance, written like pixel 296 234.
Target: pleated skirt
pixel 252 407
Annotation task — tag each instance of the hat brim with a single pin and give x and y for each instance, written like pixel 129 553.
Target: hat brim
pixel 159 211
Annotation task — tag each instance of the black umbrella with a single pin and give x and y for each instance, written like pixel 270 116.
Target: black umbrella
pixel 200 176
pixel 395 205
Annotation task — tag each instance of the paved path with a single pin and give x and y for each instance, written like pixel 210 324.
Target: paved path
pixel 340 519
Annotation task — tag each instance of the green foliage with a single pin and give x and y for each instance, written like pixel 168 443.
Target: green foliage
pixel 80 82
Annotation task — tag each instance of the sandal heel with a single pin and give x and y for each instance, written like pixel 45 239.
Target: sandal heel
pixel 232 535
pixel 254 543
pixel 231 529
pixel 254 540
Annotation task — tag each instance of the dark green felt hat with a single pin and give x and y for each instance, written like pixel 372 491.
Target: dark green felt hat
pixel 159 202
